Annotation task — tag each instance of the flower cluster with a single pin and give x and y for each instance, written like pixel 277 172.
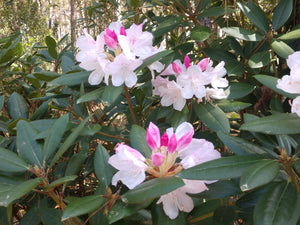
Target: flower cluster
pixel 291 83
pixel 116 52
pixel 191 80
pixel 166 150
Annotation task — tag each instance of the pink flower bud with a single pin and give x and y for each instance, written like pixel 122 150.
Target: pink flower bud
pixel 122 31
pixel 204 63
pixel 153 136
pixel 110 38
pixel 185 139
pixel 157 159
pixel 172 144
pixel 176 68
pixel 187 61
pixel 164 141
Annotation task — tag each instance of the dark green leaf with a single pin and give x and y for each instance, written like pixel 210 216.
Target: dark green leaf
pixel 40 111
pixel 220 55
pixel 223 168
pixel 259 174
pixel 11 162
pixel 60 181
pixel 46 75
pixel 83 205
pixel 280 123
pixel 282 49
pixel 50 216
pixel 112 94
pixel 152 189
pixel 121 210
pixel 232 106
pixel 200 33
pixel 91 96
pixel 169 24
pixel 1 102
pixel 255 14
pixel 31 217
pixel 296 166
pixel 271 82
pixel 242 33
pixel 281 13
pixel 224 215
pixel 237 90
pixel 260 59
pixel 242 147
pixel 148 61
pixel 204 211
pixel 212 116
pixel 28 147
pixel 18 191
pixel 292 35
pixel 17 107
pixel 70 140
pixel 216 11
pixel 103 170
pixel 70 79
pixel 51 44
pixel 279 205
pixel 138 140
pixel 54 136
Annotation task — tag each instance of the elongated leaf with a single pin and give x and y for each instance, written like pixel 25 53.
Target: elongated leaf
pixel 82 206
pixel 70 140
pixel 28 147
pixel 51 44
pixel 216 11
pixel 212 116
pixel 220 55
pixel 242 33
pixel 1 102
pixel 295 34
pixel 223 168
pixel 259 174
pixel 60 181
pixel 152 189
pixel 11 162
pixel 242 147
pixel 54 136
pixel 71 79
pixel 112 94
pixel 281 13
pixel 40 111
pixel 50 216
pixel 271 82
pixel 17 107
pixel 255 14
pixel 103 170
pixel 138 140
pixel 18 191
pixel 169 24
pixel 148 61
pixel 238 90
pixel 200 33
pixel 46 75
pixel 260 59
pixel 121 210
pixel 280 123
pixel 93 95
pixel 281 48
pixel 279 205
pixel 232 106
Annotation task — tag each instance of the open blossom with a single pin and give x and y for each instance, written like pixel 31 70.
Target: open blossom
pixel 172 152
pixel 191 80
pixel 116 53
pixel 291 83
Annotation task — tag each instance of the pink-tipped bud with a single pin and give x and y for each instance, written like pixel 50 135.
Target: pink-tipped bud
pixel 153 136
pixel 172 144
pixel 187 61
pixel 157 159
pixel 185 139
pixel 204 63
pixel 176 68
pixel 164 141
pixel 110 38
pixel 123 31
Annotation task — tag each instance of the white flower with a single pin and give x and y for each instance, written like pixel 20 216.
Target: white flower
pixel 130 164
pixel 296 106
pixel 178 200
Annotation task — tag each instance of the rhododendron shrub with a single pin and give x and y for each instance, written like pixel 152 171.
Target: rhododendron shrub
pixel 173 115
